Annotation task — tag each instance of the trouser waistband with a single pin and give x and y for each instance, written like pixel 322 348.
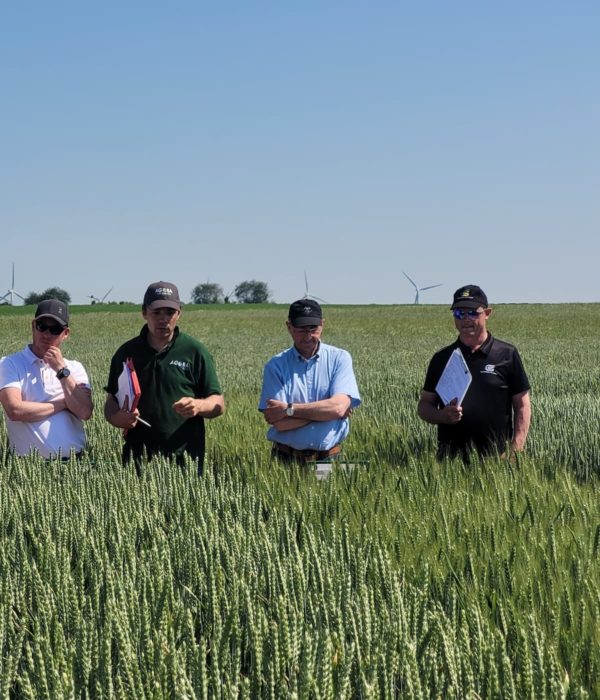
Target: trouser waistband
pixel 305 455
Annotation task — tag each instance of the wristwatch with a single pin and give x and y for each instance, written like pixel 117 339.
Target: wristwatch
pixel 62 373
pixel 289 411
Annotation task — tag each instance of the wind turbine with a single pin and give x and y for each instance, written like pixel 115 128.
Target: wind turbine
pixel 419 289
pixel 95 300
pixel 307 295
pixel 9 297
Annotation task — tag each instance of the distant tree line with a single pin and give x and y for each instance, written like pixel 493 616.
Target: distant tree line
pixel 34 298
pixel 248 292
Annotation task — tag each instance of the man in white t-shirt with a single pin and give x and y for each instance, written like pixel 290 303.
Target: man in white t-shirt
pixel 45 397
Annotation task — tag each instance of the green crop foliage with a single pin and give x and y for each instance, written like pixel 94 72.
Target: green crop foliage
pixel 402 577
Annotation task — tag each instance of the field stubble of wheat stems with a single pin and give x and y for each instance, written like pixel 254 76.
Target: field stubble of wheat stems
pixel 400 578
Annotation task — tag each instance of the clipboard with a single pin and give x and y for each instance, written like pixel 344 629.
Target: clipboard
pixel 128 386
pixel 455 379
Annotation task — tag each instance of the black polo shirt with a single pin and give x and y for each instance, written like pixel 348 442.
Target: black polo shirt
pixel 487 421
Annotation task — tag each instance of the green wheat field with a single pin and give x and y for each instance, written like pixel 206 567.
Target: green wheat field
pixel 399 578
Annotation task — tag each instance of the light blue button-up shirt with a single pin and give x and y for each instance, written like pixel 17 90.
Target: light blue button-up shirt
pixel 289 377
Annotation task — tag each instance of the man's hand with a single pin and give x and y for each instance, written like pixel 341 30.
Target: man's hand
pixel 53 357
pixel 274 411
pixel 85 389
pixel 59 404
pixel 120 417
pixel 209 407
pixel 187 407
pixel 451 413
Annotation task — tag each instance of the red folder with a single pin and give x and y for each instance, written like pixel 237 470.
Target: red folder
pixel 134 384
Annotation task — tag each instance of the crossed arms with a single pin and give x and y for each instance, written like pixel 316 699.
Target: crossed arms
pixel 77 398
pixel 336 407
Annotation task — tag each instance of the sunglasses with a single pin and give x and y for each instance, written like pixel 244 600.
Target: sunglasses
pixel 463 313
pixel 43 327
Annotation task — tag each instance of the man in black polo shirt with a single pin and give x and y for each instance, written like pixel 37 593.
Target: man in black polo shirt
pixel 178 383
pixel 496 408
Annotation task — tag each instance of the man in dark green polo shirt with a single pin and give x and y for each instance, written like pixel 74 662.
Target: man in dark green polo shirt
pixel 178 383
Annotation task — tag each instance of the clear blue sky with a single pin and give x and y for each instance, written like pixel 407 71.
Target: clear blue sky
pixel 193 141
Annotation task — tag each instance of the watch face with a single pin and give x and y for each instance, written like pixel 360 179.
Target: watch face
pixel 289 411
pixel 64 372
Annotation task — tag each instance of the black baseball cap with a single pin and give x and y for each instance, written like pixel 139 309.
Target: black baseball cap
pixel 305 312
pixel 162 294
pixel 469 297
pixel 53 308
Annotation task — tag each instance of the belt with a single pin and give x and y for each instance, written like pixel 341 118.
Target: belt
pixel 305 455
pixel 77 455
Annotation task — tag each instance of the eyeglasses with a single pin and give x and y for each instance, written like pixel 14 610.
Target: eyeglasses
pixel 463 313
pixel 306 329
pixel 43 327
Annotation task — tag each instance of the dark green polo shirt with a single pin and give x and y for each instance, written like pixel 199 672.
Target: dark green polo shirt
pixel 183 368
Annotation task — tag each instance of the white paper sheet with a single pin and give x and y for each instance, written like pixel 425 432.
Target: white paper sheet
pixel 125 388
pixel 455 379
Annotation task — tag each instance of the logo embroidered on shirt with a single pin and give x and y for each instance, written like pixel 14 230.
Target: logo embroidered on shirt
pixel 181 364
pixel 489 369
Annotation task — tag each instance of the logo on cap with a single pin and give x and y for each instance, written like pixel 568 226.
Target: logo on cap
pixel 466 293
pixel 164 291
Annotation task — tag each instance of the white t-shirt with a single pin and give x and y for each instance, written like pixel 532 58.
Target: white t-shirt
pixel 57 434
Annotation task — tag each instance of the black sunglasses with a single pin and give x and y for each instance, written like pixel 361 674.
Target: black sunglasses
pixel 463 313
pixel 43 327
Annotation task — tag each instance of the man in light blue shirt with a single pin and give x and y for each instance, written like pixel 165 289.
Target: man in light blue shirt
pixel 308 390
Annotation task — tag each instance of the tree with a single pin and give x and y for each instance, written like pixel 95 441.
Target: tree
pixel 51 293
pixel 207 293
pixel 252 292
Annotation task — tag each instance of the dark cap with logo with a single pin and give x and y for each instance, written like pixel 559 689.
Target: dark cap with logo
pixel 305 312
pixel 469 297
pixel 162 294
pixel 53 308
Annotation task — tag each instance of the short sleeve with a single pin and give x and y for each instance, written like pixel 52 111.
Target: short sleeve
pixel 519 380
pixel 209 382
pixel 344 381
pixel 9 376
pixel 272 386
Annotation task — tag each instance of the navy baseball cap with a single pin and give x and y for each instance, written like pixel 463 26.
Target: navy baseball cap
pixel 305 312
pixel 53 308
pixel 162 294
pixel 469 297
